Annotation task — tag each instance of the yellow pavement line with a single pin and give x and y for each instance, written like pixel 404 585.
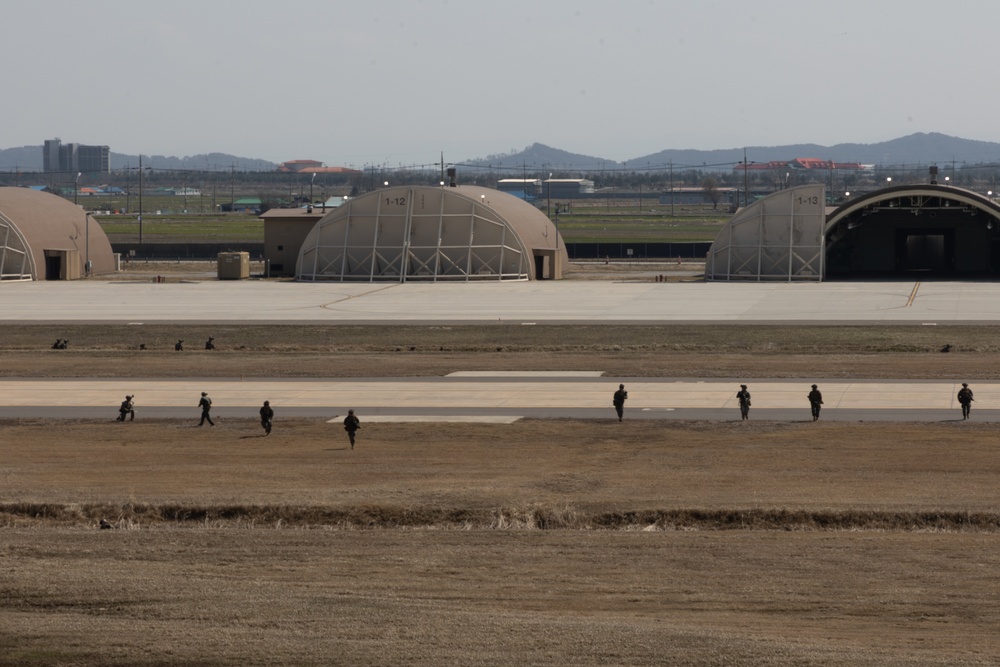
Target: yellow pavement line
pixel 913 294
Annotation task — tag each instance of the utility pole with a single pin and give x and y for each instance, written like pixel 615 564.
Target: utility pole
pixel 140 198
pixel 746 181
pixel 671 163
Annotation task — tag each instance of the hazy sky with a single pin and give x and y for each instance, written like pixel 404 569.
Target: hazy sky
pixel 351 82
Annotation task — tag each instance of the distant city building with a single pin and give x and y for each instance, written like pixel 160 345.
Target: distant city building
pixel 567 187
pixel 75 157
pixel 525 188
pixel 245 204
pixel 312 167
pixel 299 165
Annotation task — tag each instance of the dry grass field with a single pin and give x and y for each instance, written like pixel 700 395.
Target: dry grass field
pixel 891 352
pixel 543 542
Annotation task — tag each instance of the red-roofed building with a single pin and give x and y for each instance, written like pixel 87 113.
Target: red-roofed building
pixel 313 167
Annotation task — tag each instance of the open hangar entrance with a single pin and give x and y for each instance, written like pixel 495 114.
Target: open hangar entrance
pixel 907 231
pixel 924 230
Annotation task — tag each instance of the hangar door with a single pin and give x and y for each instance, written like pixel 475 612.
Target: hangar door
pixel 779 237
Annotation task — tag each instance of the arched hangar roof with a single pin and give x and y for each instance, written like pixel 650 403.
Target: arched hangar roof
pixel 779 237
pixel 406 233
pixel 925 229
pixel 34 225
pixel 914 197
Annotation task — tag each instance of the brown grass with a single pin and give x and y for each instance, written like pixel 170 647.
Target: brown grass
pixel 543 542
pixel 582 474
pixel 896 352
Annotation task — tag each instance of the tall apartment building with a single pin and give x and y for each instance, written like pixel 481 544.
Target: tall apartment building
pixel 75 157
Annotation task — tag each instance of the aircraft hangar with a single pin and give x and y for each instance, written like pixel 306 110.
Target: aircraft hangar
pixel 925 230
pixel 45 237
pixel 427 233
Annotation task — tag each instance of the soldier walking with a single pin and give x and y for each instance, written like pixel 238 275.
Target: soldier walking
pixel 743 396
pixel 618 400
pixel 266 415
pixel 965 399
pixel 206 405
pixel 351 425
pixel 815 401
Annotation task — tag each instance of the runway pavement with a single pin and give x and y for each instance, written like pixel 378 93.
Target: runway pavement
pixel 568 301
pixel 494 397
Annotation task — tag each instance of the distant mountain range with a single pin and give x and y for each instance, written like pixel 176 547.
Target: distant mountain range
pixel 920 148
pixel 914 149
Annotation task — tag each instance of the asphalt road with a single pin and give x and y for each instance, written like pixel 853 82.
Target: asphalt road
pixel 490 397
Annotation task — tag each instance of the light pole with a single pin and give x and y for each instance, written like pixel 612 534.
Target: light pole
pixel 671 188
pixel 311 181
pixel 76 185
pixel 86 266
pixel 746 179
pixel 548 206
pixel 140 199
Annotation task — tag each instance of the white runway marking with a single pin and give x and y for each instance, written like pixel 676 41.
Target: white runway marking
pixel 406 419
pixel 526 374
